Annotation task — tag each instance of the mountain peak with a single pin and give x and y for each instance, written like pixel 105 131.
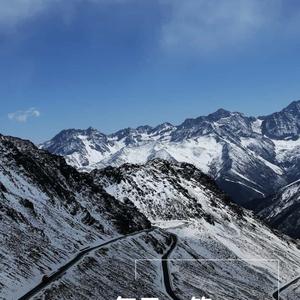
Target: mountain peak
pixel 219 114
pixel 91 129
pixel 283 124
pixel 222 111
pixel 144 128
pixel 164 126
pixel 293 107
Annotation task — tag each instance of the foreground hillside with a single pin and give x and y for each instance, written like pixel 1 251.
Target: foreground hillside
pixel 108 273
pixel 243 253
pixel 48 212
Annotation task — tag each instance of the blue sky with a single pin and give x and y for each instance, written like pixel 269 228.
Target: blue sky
pixel 112 64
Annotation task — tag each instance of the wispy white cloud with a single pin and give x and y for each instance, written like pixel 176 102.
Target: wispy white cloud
pixel 22 116
pixel 188 25
pixel 14 12
pixel 209 25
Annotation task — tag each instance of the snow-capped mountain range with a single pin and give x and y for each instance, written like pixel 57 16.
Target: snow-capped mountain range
pixel 249 157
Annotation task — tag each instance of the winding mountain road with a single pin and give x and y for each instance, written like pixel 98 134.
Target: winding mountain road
pixel 276 295
pixel 165 268
pixel 46 281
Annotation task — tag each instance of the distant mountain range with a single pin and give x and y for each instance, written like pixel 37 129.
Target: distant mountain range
pixel 249 157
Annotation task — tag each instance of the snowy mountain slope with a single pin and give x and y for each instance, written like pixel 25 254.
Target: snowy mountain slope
pixel 292 292
pixel 282 210
pixel 162 190
pixel 48 212
pixel 211 228
pixel 231 262
pixel 249 157
pixel 110 272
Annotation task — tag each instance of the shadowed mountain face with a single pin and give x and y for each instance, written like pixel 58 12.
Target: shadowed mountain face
pixel 48 212
pixel 282 209
pixel 248 157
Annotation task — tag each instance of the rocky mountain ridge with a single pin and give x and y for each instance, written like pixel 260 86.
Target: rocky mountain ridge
pixel 249 157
